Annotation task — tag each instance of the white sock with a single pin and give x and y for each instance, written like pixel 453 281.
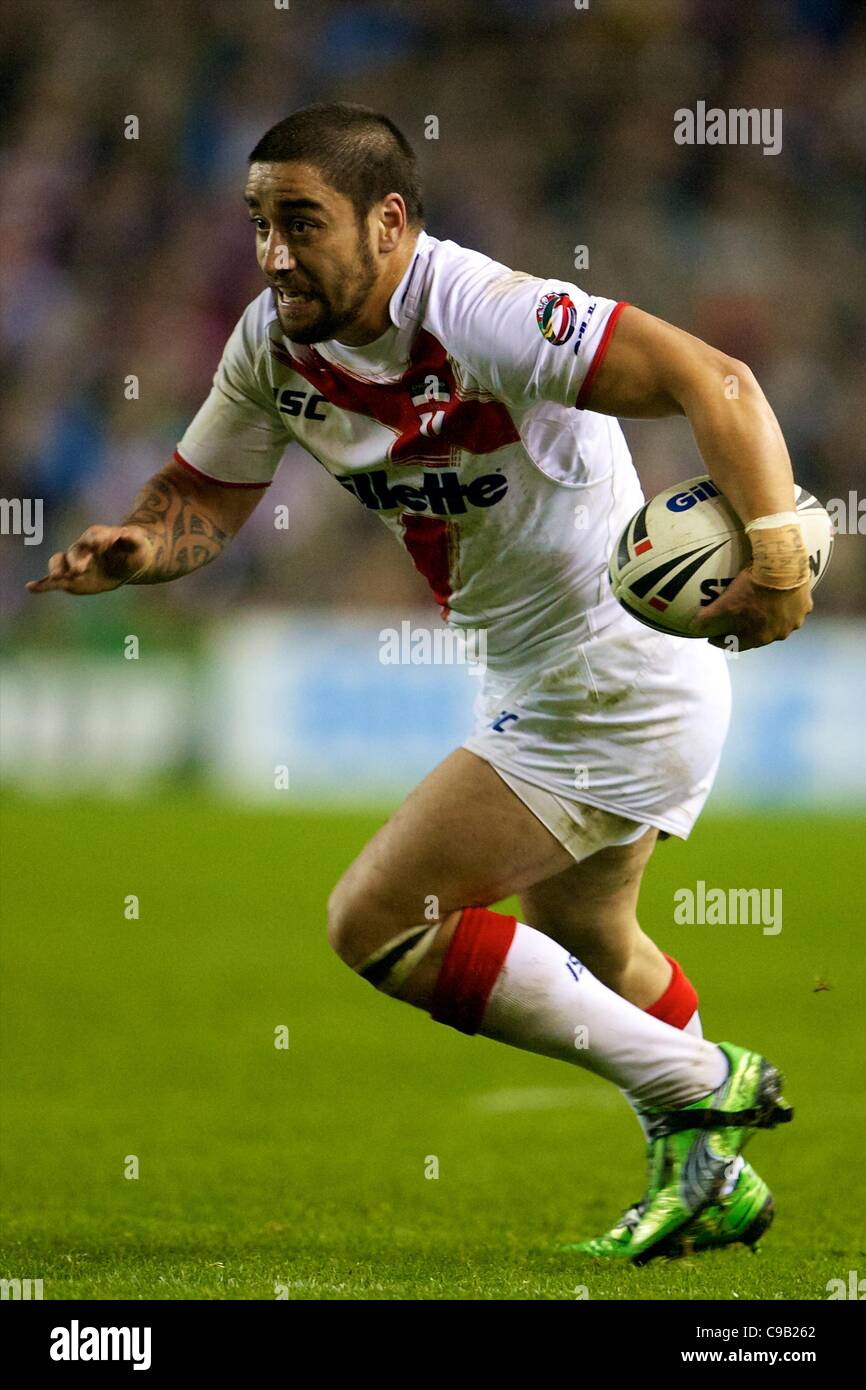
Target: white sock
pixel 694 1027
pixel 545 1001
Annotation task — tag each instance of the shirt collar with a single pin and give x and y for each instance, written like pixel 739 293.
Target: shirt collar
pixel 410 280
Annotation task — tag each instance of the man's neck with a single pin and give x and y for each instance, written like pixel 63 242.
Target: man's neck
pixel 375 318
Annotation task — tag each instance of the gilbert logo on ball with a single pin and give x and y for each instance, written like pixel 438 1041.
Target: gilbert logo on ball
pixel 683 548
pixel 556 317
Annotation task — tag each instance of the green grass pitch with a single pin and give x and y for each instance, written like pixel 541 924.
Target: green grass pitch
pixel 300 1172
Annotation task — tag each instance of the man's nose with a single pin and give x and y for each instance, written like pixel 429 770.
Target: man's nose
pixel 277 257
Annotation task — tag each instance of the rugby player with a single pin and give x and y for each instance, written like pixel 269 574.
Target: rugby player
pixel 474 410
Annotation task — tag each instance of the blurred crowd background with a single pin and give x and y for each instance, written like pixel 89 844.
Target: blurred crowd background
pixel 555 130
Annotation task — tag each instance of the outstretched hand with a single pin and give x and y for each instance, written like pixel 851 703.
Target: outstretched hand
pixel 103 557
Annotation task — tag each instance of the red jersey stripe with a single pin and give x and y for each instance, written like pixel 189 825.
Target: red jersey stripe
pixel 599 353
pixel 428 541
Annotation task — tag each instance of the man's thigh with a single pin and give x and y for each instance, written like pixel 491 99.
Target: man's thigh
pixel 461 838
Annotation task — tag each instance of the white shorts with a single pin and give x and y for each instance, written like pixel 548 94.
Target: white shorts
pixel 631 722
pixel 582 830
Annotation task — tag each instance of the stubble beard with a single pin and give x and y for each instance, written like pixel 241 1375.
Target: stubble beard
pixel 332 321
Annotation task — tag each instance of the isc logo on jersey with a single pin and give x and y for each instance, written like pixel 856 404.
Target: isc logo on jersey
pixel 556 317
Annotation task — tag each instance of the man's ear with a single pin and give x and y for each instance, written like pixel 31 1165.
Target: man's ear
pixel 392 221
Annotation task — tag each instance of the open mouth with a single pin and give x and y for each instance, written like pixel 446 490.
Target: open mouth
pixel 289 299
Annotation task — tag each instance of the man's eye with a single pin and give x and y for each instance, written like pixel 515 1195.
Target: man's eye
pixel 259 223
pixel 298 226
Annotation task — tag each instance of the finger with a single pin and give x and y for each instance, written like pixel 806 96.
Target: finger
pixel 57 565
pixel 706 616
pixel 79 557
pixel 721 627
pixel 54 579
pixel 93 536
pixel 49 584
pixel 744 644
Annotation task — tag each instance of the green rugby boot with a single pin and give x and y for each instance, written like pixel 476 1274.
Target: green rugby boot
pixel 690 1153
pixel 615 1242
pixel 743 1216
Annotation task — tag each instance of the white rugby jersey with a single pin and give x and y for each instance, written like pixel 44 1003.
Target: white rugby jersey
pixel 461 427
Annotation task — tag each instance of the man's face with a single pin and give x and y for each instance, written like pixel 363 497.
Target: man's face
pixel 310 248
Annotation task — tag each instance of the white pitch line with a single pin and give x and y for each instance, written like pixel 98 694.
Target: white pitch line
pixel 503 1101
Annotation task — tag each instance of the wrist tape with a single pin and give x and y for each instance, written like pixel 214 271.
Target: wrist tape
pixel 780 559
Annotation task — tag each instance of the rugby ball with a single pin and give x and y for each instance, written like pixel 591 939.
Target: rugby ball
pixel 686 545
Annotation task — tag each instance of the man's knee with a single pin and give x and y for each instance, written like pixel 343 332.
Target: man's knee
pixel 382 945
pixel 345 920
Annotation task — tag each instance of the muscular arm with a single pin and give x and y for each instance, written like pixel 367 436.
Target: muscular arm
pixel 188 521
pixel 652 369
pixel 178 523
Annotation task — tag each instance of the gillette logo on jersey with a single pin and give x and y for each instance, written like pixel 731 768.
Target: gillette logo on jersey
pixel 556 316
pixel 438 494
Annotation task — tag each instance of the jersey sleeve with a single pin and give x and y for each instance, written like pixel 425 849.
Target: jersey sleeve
pixel 237 437
pixel 526 339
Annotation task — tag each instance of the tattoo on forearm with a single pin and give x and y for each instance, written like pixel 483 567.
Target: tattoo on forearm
pixel 183 538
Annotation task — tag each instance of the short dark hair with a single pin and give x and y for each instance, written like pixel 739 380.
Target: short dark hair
pixel 359 152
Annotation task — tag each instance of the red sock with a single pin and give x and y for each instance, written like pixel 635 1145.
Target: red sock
pixel 475 956
pixel 679 1000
